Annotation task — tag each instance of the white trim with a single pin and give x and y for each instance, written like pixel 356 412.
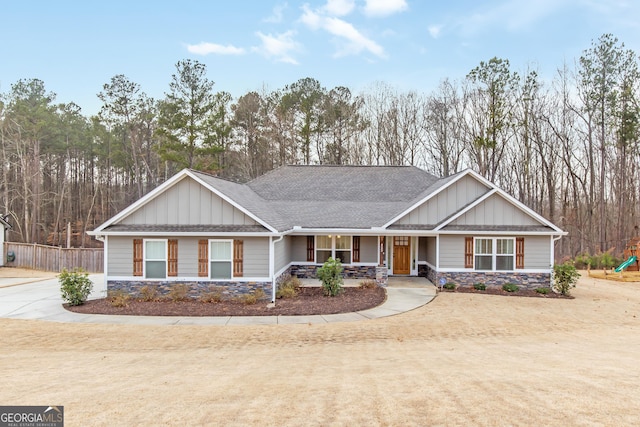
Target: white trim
pixel 466 209
pixel 144 259
pixel 187 279
pixel 500 233
pixel 428 197
pixel 494 252
pixel 230 260
pixel 183 234
pixel 517 271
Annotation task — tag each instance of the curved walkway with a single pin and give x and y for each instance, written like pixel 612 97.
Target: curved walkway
pixel 40 300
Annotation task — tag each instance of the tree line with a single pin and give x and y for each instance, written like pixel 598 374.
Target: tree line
pixel 566 146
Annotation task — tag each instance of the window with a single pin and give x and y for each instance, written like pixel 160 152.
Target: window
pixel 220 259
pixel 155 259
pixel 494 254
pixel 338 247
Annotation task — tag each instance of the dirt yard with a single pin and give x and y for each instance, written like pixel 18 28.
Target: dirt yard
pixel 464 359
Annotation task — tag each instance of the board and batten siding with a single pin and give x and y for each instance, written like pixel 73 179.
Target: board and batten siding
pixel 445 203
pixel 495 211
pixel 255 256
pixel 188 203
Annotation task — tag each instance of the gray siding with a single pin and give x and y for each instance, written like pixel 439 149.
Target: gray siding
pixel 537 252
pixel 256 256
pixel 445 203
pixel 188 203
pixel 430 249
pixel 451 252
pixel 282 253
pixel 369 249
pixel 298 249
pixel 495 211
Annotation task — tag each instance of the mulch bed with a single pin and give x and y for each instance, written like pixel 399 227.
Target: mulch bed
pixel 310 300
pixel 498 291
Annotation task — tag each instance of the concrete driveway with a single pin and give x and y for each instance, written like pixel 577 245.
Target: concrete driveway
pixel 29 298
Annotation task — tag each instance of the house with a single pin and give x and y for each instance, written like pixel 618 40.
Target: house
pixel 378 220
pixel 4 226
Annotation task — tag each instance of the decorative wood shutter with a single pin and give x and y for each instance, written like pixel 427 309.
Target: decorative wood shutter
pixel 137 257
pixel 238 250
pixel 203 258
pixel 356 248
pixel 311 256
pixel 468 252
pixel 172 258
pixel 519 252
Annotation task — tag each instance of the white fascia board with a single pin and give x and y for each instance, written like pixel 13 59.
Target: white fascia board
pixel 470 270
pixel 140 202
pixel 232 202
pixel 186 234
pixel 376 231
pixel 501 233
pixel 461 212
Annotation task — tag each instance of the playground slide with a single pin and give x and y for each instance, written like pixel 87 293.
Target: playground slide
pixel 625 264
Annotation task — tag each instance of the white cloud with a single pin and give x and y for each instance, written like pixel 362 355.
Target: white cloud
pixel 339 7
pixel 384 7
pixel 434 30
pixel 278 47
pixel 207 48
pixel 350 41
pixel 276 14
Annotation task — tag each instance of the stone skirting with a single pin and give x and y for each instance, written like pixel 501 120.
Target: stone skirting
pixel 196 288
pixel 490 279
pixel 348 272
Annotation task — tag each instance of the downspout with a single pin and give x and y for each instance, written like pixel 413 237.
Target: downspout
pixel 553 253
pixel 272 267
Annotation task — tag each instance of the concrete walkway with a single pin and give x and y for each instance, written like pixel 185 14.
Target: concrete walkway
pixel 40 300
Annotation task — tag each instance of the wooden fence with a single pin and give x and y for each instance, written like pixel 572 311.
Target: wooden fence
pixel 53 258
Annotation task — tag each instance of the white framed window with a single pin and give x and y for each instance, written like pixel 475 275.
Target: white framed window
pixel 337 247
pixel 155 258
pixel 494 254
pixel 220 259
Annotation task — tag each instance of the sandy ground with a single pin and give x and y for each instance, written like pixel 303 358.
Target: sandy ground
pixel 461 360
pixel 13 272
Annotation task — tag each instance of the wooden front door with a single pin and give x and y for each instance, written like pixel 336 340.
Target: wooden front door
pixel 401 255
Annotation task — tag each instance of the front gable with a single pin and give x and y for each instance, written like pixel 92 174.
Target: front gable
pixel 495 210
pixel 446 202
pixel 187 202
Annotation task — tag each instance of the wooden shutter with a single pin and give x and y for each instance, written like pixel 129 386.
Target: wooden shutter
pixel 519 252
pixel 238 250
pixel 137 257
pixel 468 252
pixel 356 249
pixel 311 256
pixel 203 258
pixel 172 257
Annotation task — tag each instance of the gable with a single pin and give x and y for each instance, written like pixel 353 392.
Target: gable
pixel 496 210
pixel 187 202
pixel 444 204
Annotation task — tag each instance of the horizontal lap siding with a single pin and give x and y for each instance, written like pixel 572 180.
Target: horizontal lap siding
pixel 369 249
pixel 298 250
pixel 256 256
pixel 537 252
pixel 120 256
pixel 283 253
pixel 452 252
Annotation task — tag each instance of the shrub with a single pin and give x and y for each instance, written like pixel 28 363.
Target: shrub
pixel 148 293
pixel 480 287
pixel 331 276
pixel 543 291
pixel 119 299
pixel 289 288
pixel 564 278
pixel 75 286
pixel 178 292
pixel 253 297
pixel 449 285
pixel 510 287
pixel 212 296
pixel 368 284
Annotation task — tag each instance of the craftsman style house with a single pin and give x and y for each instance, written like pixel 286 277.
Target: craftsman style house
pixel 378 220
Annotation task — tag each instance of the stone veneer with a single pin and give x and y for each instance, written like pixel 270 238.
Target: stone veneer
pixel 490 278
pixel 196 288
pixel 379 274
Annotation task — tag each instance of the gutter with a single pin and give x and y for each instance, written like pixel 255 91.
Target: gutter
pixel 272 267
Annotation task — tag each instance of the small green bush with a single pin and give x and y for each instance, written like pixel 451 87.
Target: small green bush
pixel 331 276
pixel 178 292
pixel 564 278
pixel 480 287
pixel 75 286
pixel 368 284
pixel 253 297
pixel 543 291
pixel 289 288
pixel 119 299
pixel 213 295
pixel 450 286
pixel 510 287
pixel 148 293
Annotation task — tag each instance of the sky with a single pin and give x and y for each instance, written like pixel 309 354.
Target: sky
pixel 75 47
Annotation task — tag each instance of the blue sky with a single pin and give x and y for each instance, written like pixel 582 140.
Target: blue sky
pixel 76 47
